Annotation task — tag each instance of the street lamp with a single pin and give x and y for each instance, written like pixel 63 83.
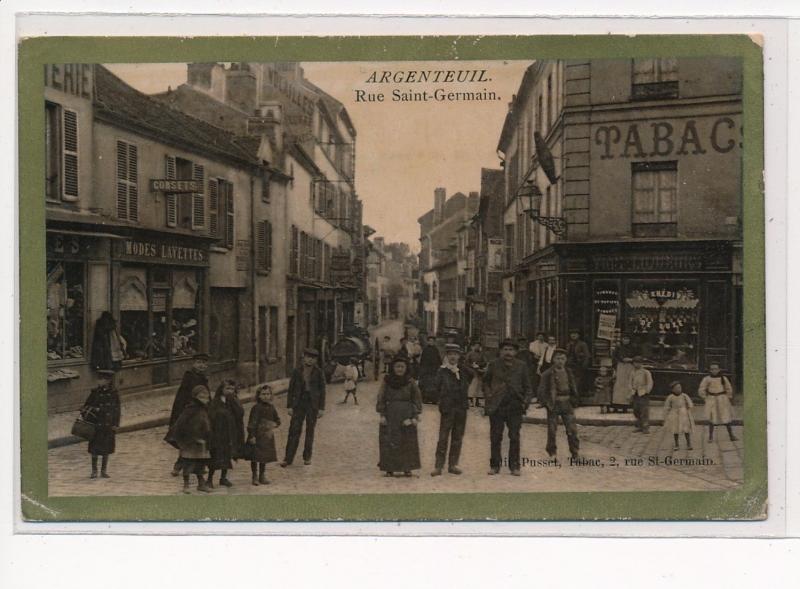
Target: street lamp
pixel 530 191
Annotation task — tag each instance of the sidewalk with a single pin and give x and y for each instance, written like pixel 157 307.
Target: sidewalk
pixel 592 416
pixel 138 412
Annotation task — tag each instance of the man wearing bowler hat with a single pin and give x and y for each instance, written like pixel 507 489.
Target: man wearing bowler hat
pixel 193 377
pixel 507 388
pixel 451 384
pixel 306 403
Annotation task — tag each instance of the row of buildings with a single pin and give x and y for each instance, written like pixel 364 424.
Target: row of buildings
pixel 220 216
pixel 617 208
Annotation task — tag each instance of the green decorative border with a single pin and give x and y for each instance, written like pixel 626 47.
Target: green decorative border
pixel 746 502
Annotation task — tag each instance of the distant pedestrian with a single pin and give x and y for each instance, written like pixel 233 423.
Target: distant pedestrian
pixel 387 352
pixel 475 367
pixel 678 415
pixel 603 385
pixel 102 408
pixel 717 391
pixel 191 434
pixel 578 358
pixel 623 366
pixel 306 403
pixel 641 383
pixel 546 361
pixel 507 389
pixel 227 432
pixel 429 364
pixel 351 380
pixel 261 434
pixel 399 405
pixel 558 392
pixel 526 357
pixel 537 348
pixel 193 377
pixel 452 383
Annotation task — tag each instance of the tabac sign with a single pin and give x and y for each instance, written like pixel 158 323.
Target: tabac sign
pixel 175 186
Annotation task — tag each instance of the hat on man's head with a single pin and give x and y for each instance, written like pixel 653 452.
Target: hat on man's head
pixel 200 356
pixel 575 330
pixel 638 359
pixel 106 372
pixel 508 342
pixel 311 352
pixel 559 351
pixel 522 338
pixel 452 348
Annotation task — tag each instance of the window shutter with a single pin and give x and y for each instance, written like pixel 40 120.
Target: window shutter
pixel 294 252
pixel 213 207
pixel 268 261
pixel 133 183
pixel 199 198
pixel 261 251
pixel 70 144
pixel 122 176
pixel 229 217
pixel 172 201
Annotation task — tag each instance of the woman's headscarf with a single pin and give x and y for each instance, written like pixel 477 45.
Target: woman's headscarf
pixel 393 380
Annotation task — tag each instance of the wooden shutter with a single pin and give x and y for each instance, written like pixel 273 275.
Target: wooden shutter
pixel 268 260
pixel 199 198
pixel 122 176
pixel 171 198
pixel 264 246
pixel 133 182
pixel 213 207
pixel 229 216
pixel 70 151
pixel 294 252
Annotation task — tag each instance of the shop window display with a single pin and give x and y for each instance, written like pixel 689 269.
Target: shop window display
pixel 134 316
pixel 65 310
pixel 663 322
pixel 184 332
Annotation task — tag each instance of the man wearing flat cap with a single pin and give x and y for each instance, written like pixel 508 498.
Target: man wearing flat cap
pixel 452 383
pixel 507 389
pixel 195 376
pixel 305 400
pixel 558 392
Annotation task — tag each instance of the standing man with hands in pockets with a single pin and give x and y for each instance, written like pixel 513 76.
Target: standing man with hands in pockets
pixel 306 403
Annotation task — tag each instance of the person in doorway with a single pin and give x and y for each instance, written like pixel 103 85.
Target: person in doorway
pixel 429 364
pixel 226 415
pixel 641 383
pixel 546 360
pixel 507 390
pixel 261 434
pixel 399 405
pixel 452 383
pixel 191 435
pixel 475 367
pixel 603 383
pixel 108 347
pixel 717 391
pixel 678 415
pixel 350 380
pixel 578 358
pixel 623 367
pixel 306 403
pixel 195 376
pixel 559 394
pixel 103 409
pixel 526 356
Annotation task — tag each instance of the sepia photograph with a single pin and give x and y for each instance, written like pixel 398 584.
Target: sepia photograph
pixel 427 277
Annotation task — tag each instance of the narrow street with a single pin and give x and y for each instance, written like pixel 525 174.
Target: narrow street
pixel 346 454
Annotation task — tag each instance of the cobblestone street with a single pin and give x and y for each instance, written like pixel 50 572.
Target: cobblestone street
pixel 346 454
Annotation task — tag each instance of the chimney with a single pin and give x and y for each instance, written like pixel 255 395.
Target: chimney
pixel 473 202
pixel 379 242
pixel 240 89
pixel 207 77
pixel 439 196
pixel 269 120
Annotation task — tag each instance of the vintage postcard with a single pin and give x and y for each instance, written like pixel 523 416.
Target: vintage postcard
pixel 496 278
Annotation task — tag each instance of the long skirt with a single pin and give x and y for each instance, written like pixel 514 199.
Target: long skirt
pixel 399 448
pixel 718 409
pixel 622 384
pixel 475 390
pixel 264 449
pixel 679 421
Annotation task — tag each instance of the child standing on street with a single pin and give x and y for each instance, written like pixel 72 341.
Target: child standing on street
pixel 678 415
pixel 102 408
pixel 261 434
pixel 717 391
pixel 227 431
pixel 351 380
pixel 191 434
pixel 603 384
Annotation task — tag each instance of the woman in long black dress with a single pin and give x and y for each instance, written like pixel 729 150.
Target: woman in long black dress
pixel 227 431
pixel 400 407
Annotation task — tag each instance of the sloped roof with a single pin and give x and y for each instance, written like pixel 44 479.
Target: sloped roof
pixel 122 104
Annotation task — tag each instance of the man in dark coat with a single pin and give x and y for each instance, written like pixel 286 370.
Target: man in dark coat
pixel 195 376
pixel 452 382
pixel 306 403
pixel 559 394
pixel 507 389
pixel 578 358
pixel 429 363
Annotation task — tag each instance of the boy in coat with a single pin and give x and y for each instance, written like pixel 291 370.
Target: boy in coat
pixel 191 434
pixel 195 376
pixel 102 408
pixel 558 392
pixel 306 403
pixel 451 384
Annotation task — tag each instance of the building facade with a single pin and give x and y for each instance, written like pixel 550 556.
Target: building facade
pixel 641 159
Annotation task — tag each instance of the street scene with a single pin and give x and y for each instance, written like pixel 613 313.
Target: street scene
pixel 400 277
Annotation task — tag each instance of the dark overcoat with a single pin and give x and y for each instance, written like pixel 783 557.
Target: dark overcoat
pixel 227 431
pixel 261 426
pixel 191 432
pixel 191 379
pixel 103 408
pixel 507 388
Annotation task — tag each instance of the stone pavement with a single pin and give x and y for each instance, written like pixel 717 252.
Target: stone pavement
pixel 346 455
pixel 591 415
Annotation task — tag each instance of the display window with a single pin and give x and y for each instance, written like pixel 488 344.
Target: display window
pixel 66 310
pixel 663 320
